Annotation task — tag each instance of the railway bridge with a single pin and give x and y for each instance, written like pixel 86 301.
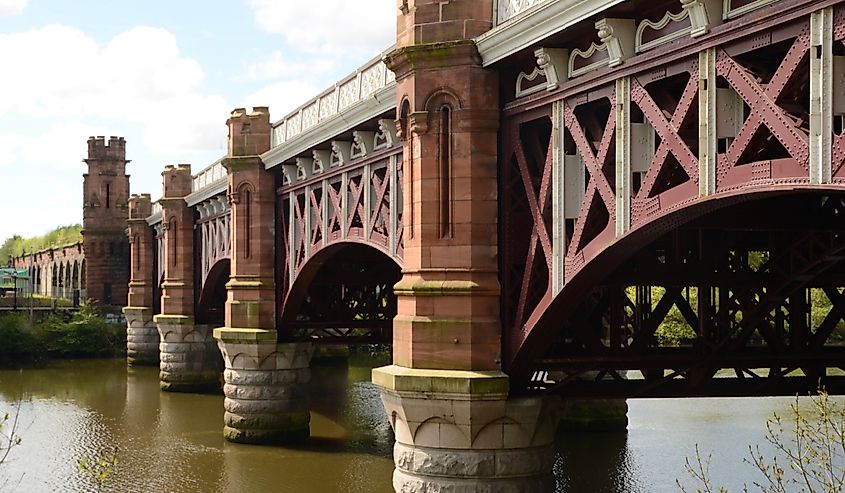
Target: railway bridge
pixel 532 202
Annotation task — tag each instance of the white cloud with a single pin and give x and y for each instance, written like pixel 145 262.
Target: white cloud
pixel 335 28
pixel 12 7
pixel 277 66
pixel 59 147
pixel 282 97
pixel 139 77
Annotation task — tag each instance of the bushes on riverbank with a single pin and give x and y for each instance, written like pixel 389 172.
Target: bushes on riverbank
pixel 85 334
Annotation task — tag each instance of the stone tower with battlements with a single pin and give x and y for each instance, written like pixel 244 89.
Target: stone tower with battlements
pixel 105 213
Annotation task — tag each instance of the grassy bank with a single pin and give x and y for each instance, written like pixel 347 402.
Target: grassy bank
pixel 84 334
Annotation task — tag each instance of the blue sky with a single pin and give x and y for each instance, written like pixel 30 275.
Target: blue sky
pixel 164 74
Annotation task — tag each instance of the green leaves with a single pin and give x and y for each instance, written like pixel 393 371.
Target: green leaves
pixel 99 469
pixel 17 245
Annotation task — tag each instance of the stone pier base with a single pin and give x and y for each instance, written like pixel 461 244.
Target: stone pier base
pixel 265 387
pixel 457 431
pixel 189 358
pixel 142 339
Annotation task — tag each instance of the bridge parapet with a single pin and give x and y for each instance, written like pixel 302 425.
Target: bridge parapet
pixel 341 98
pixel 210 176
pixel 155 213
pixel 507 9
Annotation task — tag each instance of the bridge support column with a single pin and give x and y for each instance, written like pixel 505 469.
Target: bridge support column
pixel 142 339
pixel 266 398
pixel 458 431
pixel 446 397
pixel 189 360
pixel 265 387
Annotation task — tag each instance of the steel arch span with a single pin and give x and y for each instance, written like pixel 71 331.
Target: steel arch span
pixel 343 294
pixel 598 177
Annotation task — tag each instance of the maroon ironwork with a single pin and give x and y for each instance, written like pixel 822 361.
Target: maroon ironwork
pixel 324 216
pixel 838 151
pixel 742 298
pixel 349 298
pixel 672 176
pixel 618 288
pixel 214 243
pixel 770 73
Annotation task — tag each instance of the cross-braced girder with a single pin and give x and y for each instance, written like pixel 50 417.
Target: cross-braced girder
pixel 715 310
pixel 594 170
pixel 349 299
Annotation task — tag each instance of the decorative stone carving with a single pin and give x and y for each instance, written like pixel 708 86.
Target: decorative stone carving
pixel 386 137
pixel 362 143
pixel 189 361
pixel 458 431
pixel 322 160
pixel 618 36
pixel 553 63
pixel 142 339
pixel 523 82
pixel 304 168
pixel 290 173
pixel 663 35
pixel 340 152
pixel 703 15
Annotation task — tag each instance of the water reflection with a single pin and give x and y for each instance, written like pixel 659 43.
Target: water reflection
pixel 604 454
pixel 173 442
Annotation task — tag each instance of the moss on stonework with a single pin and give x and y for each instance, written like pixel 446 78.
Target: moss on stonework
pixel 427 54
pixel 202 383
pixel 400 379
pixel 267 437
pixel 152 360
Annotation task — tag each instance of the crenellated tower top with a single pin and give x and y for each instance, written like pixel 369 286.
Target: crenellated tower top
pixel 100 149
pixel 249 133
pixel 176 181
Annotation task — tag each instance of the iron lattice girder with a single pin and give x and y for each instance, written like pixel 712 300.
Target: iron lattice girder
pixel 747 316
pixel 766 65
pixel 355 202
pixel 213 237
pixel 717 387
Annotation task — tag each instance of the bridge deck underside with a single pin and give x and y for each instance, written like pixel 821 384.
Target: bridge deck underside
pixel 721 306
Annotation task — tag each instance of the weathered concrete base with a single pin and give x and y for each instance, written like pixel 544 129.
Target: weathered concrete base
pixel 457 431
pixel 265 387
pixel 594 415
pixel 189 359
pixel 142 339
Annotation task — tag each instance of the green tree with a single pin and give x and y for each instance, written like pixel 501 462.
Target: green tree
pixel 17 245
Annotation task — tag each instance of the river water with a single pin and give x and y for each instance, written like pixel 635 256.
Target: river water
pixel 173 442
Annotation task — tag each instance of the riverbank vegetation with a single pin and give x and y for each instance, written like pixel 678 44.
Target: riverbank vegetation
pixel 83 334
pixel 18 245
pixel 22 302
